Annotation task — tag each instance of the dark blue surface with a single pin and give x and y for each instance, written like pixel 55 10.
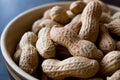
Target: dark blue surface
pixel 11 8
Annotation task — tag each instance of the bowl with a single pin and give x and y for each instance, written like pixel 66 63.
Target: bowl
pixel 16 28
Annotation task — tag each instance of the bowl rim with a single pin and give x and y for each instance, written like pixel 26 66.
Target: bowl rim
pixel 4 51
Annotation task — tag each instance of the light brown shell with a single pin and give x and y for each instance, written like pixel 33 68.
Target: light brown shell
pixel 75 24
pixel 28 38
pixel 110 63
pixel 105 42
pixel 58 14
pixel 114 27
pixel 77 7
pixel 74 66
pixel 36 27
pixel 105 7
pixel 44 44
pixel 39 24
pixel 71 41
pixel 115 76
pixel 46 14
pixel 116 15
pixel 90 21
pixel 29 59
pixel 17 54
pixel 105 18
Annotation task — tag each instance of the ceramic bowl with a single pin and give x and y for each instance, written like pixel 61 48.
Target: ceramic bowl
pixel 15 29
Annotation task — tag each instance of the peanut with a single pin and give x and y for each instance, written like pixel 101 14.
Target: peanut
pixel 110 63
pixel 71 41
pixel 105 41
pixel 29 59
pixel 105 8
pixel 105 18
pixel 77 7
pixel 36 27
pixel 46 14
pixel 48 23
pixel 17 54
pixel 74 66
pixel 115 76
pixel 116 15
pixel 114 27
pixel 90 21
pixel 39 24
pixel 75 24
pixel 59 15
pixel 44 44
pixel 26 54
pixel 28 38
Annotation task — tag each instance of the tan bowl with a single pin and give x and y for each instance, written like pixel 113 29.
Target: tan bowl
pixel 15 29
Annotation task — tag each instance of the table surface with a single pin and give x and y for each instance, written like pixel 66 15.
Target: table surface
pixel 11 8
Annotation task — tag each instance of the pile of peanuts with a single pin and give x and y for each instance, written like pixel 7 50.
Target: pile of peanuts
pixel 80 43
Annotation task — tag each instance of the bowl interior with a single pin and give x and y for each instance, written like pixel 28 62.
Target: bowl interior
pixel 18 26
